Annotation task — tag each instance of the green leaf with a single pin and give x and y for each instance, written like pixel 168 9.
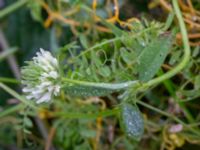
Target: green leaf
pixel 26 131
pixel 152 57
pixel 105 71
pixel 197 82
pixel 117 31
pixel 175 57
pixel 36 10
pixel 169 21
pixel 28 122
pixel 127 56
pixel 195 52
pixel 132 121
pixel 87 133
pixel 84 41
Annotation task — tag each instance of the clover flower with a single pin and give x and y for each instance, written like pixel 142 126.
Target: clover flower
pixel 41 77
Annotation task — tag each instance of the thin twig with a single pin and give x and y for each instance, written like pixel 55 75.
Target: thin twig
pixel 50 138
pixel 11 58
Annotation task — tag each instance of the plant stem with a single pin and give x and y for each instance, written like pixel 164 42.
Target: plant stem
pixel 6 11
pixel 108 86
pixel 11 58
pixel 170 88
pixel 186 56
pixel 161 112
pixel 77 115
pixel 6 53
pixel 11 110
pixel 17 96
pixel 182 64
pixel 9 80
pixel 168 115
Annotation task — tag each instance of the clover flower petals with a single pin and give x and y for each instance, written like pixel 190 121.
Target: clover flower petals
pixel 53 61
pixel 57 90
pixel 45 75
pixel 45 84
pixel 37 91
pixel 176 128
pixel 29 97
pixel 45 98
pixel 43 62
pixel 53 74
pixel 25 90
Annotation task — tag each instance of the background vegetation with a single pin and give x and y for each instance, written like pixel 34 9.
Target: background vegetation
pixel 103 41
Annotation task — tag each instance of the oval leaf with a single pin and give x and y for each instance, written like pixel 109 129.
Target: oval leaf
pixel 152 57
pixel 132 121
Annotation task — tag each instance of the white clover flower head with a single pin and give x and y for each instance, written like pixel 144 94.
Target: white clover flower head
pixel 41 77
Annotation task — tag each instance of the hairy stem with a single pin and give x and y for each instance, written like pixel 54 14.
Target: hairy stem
pixel 111 86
